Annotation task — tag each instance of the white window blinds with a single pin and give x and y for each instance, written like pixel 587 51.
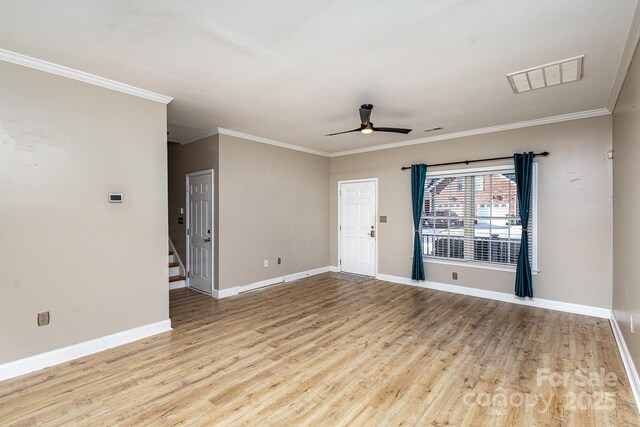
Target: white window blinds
pixel 473 216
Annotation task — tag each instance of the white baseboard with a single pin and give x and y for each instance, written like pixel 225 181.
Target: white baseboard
pixel 260 284
pixel 224 293
pixel 627 361
pixel 334 269
pixel 308 273
pixel 61 355
pixel 568 307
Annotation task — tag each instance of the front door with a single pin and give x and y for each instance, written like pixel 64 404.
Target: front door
pixel 200 230
pixel 358 227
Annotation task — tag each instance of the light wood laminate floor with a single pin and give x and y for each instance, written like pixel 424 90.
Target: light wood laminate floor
pixel 322 351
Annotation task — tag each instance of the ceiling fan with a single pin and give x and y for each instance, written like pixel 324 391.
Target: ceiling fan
pixel 367 127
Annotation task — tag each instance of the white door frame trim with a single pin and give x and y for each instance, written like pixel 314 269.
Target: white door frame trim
pixel 187 226
pixel 351 181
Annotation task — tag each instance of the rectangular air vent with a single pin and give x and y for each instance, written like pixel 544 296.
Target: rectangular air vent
pixel 555 73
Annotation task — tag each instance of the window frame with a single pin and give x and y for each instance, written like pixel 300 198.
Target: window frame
pixel 533 234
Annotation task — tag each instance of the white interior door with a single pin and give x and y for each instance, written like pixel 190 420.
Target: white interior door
pixel 358 227
pixel 200 231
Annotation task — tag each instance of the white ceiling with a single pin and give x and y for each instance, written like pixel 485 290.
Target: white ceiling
pixel 293 71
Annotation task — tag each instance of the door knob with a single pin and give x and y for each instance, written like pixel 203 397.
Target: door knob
pixel 207 239
pixel 373 233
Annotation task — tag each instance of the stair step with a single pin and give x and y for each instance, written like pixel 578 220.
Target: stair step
pixel 176 278
pixel 174 264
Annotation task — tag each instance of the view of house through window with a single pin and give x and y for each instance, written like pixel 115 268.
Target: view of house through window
pixel 473 217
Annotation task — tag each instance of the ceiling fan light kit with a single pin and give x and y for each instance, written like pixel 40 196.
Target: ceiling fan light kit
pixel 368 128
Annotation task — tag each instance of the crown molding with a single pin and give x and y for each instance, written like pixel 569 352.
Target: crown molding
pixel 480 131
pixel 454 135
pixel 254 138
pixel 198 137
pixel 60 70
pixel 625 60
pixel 229 132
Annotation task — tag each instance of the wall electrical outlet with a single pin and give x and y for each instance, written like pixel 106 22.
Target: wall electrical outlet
pixel 279 261
pixel 454 275
pixel 43 318
pixel 266 263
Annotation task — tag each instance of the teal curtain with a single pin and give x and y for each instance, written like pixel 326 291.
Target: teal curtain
pixel 418 175
pixel 523 164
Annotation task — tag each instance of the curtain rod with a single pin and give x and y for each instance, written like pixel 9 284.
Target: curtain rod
pixel 543 154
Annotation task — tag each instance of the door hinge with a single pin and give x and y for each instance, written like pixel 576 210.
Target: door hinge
pixel 339 227
pixel 340 262
pixel 340 193
pixel 188 274
pixel 187 231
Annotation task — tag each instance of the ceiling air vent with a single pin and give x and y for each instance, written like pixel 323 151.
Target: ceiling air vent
pixel 555 73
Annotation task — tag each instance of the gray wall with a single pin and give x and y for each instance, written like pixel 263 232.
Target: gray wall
pixel 99 268
pixel 574 207
pixel 626 208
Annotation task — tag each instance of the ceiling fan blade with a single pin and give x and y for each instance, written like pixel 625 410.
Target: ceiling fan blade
pixel 365 113
pixel 346 131
pixel 393 130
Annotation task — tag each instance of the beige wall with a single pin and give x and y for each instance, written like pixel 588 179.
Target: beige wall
pixel 626 206
pixel 183 159
pixel 273 203
pixel 574 207
pixel 99 268
pixel 270 203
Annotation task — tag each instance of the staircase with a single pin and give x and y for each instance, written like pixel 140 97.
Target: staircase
pixel 176 271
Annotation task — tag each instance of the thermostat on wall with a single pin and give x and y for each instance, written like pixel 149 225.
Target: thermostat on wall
pixel 115 198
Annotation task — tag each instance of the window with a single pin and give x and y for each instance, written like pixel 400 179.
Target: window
pixel 473 216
